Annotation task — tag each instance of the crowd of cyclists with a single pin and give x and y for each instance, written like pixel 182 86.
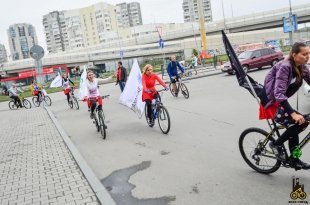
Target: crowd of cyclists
pixel 284 79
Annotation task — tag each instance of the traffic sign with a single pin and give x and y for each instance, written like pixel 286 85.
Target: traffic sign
pixel 36 52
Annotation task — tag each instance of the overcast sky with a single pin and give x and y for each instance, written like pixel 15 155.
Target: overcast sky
pixel 153 11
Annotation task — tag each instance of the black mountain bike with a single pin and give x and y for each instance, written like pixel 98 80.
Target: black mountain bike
pixel 253 146
pixel 160 113
pixel 37 100
pixel 99 117
pixel 24 102
pixel 180 86
pixel 72 100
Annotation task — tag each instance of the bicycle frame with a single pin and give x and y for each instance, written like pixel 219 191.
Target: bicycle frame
pixel 296 153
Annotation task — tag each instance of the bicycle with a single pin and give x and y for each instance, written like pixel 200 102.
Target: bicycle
pixel 99 117
pixel 37 100
pixel 160 113
pixel 179 86
pixel 24 102
pixel 259 152
pixel 73 100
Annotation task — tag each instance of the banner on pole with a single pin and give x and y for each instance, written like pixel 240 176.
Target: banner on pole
pixel 132 94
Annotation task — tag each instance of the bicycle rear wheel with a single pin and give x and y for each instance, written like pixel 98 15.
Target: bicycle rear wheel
pixel 184 90
pixel 163 119
pixel 26 103
pixel 255 153
pixel 101 124
pixel 75 102
pixel 12 105
pixel 47 100
pixel 36 101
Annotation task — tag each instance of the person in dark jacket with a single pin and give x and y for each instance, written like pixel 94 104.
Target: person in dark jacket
pixel 172 70
pixel 282 82
pixel 121 76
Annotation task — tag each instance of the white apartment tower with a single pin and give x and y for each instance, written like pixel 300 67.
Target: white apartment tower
pixel 21 38
pixel 190 10
pixel 55 31
pixel 128 15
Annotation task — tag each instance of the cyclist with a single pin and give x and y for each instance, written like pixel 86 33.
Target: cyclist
pixel 92 93
pixel 66 85
pixel 13 93
pixel 172 70
pixel 149 91
pixel 194 63
pixel 35 89
pixel 283 81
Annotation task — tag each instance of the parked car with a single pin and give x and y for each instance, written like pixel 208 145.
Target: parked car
pixel 256 58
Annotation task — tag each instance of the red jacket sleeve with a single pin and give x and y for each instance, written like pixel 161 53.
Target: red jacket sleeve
pixel 160 81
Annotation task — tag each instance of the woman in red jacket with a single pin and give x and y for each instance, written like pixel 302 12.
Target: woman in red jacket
pixel 149 91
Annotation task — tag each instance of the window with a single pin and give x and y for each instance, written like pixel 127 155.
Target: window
pixel 265 52
pixel 256 54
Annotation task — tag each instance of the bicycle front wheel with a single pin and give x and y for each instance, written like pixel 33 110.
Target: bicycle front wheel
pixel 174 94
pixel 36 101
pixel 12 105
pixel 75 103
pixel 27 104
pixel 47 100
pixel 184 90
pixel 101 124
pixel 255 153
pixel 164 120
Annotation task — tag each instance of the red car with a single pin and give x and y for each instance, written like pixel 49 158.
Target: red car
pixel 255 59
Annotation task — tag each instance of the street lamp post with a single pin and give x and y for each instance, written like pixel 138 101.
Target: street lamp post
pixel 290 17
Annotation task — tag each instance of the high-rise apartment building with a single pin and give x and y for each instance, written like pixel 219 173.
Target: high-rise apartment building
pixel 55 31
pixel 128 15
pixel 21 38
pixel 3 54
pixel 71 29
pixel 190 10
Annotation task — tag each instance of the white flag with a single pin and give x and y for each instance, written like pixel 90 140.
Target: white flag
pixel 132 94
pixel 57 82
pixel 82 88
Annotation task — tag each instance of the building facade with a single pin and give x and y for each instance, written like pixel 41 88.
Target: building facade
pixel 55 31
pixel 21 38
pixel 128 15
pixel 190 10
pixel 3 54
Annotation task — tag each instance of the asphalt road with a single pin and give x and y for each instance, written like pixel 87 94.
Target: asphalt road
pixel 197 163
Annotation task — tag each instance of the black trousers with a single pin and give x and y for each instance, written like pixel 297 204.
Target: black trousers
pixel 149 109
pixel 291 134
pixel 16 100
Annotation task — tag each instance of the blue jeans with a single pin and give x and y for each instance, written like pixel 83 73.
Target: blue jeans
pixel 121 85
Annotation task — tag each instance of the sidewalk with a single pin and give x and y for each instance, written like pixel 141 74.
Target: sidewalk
pixel 36 167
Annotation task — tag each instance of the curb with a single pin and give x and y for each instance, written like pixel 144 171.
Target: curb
pixel 199 76
pixel 102 194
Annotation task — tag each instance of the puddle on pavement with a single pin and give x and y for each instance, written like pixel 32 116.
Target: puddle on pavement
pixel 120 189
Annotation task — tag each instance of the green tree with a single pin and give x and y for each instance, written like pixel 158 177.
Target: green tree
pixel 195 52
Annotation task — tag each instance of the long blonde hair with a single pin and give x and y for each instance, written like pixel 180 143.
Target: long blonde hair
pixel 146 67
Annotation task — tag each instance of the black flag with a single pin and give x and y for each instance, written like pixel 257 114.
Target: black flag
pixel 240 74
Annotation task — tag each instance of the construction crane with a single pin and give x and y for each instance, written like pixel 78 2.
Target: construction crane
pixel 202 28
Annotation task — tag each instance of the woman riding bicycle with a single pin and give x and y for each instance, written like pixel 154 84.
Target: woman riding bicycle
pixel 66 85
pixel 35 89
pixel 92 93
pixel 282 82
pixel 149 91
